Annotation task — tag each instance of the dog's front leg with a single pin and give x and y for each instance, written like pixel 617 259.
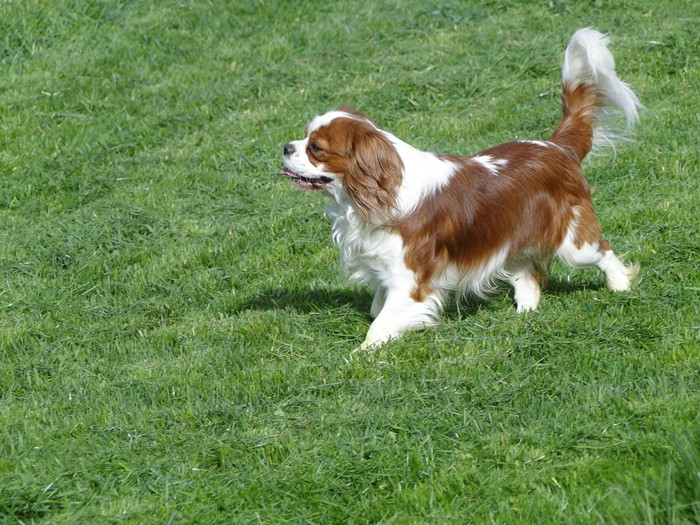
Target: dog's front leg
pixel 400 313
pixel 378 302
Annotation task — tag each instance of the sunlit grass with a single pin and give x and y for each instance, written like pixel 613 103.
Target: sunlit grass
pixel 175 334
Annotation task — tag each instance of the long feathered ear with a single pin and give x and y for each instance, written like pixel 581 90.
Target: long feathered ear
pixel 374 173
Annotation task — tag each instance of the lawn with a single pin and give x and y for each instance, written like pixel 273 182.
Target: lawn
pixel 175 332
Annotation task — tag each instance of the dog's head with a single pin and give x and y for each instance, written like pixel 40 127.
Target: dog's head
pixel 344 150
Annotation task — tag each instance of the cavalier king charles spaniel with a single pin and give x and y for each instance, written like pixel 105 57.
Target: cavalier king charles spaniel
pixel 415 225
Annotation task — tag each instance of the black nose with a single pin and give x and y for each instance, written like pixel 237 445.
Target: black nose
pixel 288 149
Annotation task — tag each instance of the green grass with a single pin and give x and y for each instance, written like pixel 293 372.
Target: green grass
pixel 175 334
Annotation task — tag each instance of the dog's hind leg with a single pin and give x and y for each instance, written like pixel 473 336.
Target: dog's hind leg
pixel 583 246
pixel 525 276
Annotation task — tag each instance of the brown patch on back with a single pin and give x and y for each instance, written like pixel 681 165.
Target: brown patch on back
pixel 527 207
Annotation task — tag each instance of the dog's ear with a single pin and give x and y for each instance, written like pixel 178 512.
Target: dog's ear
pixel 374 173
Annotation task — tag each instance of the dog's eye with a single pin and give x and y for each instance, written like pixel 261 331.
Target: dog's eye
pixel 313 148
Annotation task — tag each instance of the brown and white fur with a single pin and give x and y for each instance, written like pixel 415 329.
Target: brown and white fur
pixel 415 225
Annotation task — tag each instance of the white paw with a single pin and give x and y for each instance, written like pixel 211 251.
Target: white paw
pixel 526 307
pixel 622 280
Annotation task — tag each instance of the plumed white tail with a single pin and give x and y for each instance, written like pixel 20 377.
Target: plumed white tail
pixel 588 61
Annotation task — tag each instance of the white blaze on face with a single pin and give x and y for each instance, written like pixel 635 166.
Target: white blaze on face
pixel 327 118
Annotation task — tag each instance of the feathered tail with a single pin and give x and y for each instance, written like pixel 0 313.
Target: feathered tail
pixel 591 88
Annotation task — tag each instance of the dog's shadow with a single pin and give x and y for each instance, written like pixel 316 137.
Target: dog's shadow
pixel 306 300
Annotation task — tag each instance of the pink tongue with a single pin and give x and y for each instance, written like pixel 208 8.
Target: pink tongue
pixel 285 171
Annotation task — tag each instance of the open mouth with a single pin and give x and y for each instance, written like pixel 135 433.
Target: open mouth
pixel 307 183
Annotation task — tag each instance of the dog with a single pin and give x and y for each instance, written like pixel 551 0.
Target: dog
pixel 416 225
